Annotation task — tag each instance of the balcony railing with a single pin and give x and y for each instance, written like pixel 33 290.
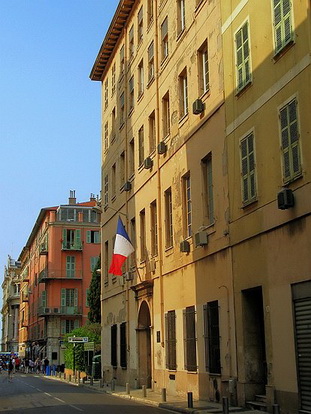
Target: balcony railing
pixel 46 275
pixel 62 311
pixel 71 246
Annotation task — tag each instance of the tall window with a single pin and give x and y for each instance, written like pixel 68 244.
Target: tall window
pixel 123 345
pixel 141 150
pixel 151 61
pixel 131 42
pixel 164 39
pixel 208 195
pixel 154 228
pixel 190 339
pixel 122 61
pixel 290 141
pixel 114 333
pixel 166 114
pixel 183 93
pixel 212 337
pixel 248 168
pixel 181 16
pixel 187 205
pixel 149 11
pixel 113 181
pixel 70 266
pixel 168 218
pixel 106 262
pixel 143 248
pixel 242 57
pixel 113 125
pixel 122 169
pixel 68 325
pixel 203 69
pixel 131 157
pixel 93 262
pixel 131 94
pixel 122 109
pixel 133 240
pixel 152 132
pixel 113 79
pixel 106 187
pixel 140 78
pixel 140 25
pixel 106 137
pixel 72 239
pixel 282 23
pixel 170 325
pixel 69 301
pixel 106 94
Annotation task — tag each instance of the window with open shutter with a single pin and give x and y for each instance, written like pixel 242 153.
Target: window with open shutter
pixel 70 266
pixel 248 169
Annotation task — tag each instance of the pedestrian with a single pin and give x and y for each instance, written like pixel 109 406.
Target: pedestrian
pixel 26 366
pixel 10 370
pixel 46 363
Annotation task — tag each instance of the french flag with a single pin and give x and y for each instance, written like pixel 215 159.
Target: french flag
pixel 122 249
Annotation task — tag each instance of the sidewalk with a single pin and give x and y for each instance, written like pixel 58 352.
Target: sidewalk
pixel 172 403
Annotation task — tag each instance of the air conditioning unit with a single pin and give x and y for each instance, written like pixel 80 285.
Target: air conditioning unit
pixel 127 186
pixel 129 276
pixel 46 310
pixel 286 199
pixel 162 147
pixel 185 246
pixel 198 107
pixel 201 238
pixel 148 163
pixel 56 310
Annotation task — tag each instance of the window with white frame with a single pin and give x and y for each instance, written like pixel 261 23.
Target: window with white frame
pixel 183 93
pixel 131 94
pixel 166 125
pixel 113 181
pixel 168 218
pixel 140 25
pixel 122 61
pixel 149 11
pixel 187 205
pixel 113 125
pixel 290 141
pixel 113 79
pixel 243 64
pixel 122 109
pixel 131 157
pixel 181 16
pixel 248 168
pixel 122 169
pixel 154 228
pixel 106 93
pixel 203 69
pixel 164 39
pixel 208 192
pixel 152 132
pixel 106 262
pixel 151 61
pixel 106 137
pixel 106 192
pixel 143 247
pixel 140 78
pixel 141 146
pixel 131 42
pixel 282 14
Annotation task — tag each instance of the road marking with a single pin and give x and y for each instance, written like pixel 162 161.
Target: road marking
pixel 73 406
pixel 46 393
pixel 58 399
pixel 38 389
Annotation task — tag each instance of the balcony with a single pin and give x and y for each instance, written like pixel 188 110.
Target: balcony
pixel 46 275
pixel 61 311
pixel 77 246
pixel 43 249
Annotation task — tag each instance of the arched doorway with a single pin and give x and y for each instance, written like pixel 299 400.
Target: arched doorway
pixel 144 345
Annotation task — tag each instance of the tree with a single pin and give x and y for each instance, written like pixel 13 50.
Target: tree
pixel 94 314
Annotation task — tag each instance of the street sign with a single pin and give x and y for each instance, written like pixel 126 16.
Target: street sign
pixel 78 339
pixel 90 346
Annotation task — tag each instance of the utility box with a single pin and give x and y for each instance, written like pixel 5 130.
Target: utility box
pixel 96 367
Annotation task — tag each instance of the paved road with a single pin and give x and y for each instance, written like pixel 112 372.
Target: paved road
pixel 34 394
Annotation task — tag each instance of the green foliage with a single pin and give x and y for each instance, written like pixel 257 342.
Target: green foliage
pixel 94 314
pixel 93 332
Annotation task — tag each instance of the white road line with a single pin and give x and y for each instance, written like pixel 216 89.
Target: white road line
pixel 73 406
pixel 38 389
pixel 58 399
pixel 46 393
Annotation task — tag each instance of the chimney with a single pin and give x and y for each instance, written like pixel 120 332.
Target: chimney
pixel 92 197
pixel 72 198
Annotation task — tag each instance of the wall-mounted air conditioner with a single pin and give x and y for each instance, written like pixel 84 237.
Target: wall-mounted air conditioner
pixel 185 246
pixel 201 238
pixel 129 276
pixel 162 147
pixel 127 186
pixel 285 199
pixel 198 106
pixel 148 163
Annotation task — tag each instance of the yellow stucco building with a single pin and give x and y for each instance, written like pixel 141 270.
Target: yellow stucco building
pixel 205 157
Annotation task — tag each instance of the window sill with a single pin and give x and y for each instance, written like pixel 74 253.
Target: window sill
pixel 121 126
pixel 130 112
pixel 292 179
pixel 198 6
pixel 150 82
pixel 113 198
pixel 278 55
pixel 183 119
pixel 245 88
pixel 150 24
pixel 164 62
pixel 140 96
pixel 249 203
pixel 205 95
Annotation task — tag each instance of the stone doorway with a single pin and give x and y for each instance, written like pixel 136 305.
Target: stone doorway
pixel 144 345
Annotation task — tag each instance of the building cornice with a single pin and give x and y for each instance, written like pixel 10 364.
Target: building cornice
pixel 112 36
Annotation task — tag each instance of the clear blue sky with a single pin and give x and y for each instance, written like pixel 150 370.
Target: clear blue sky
pixel 49 109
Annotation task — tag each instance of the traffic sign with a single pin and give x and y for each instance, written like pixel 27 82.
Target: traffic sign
pixel 78 339
pixel 90 346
